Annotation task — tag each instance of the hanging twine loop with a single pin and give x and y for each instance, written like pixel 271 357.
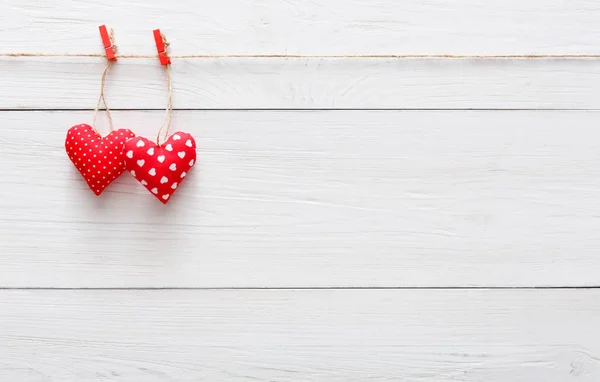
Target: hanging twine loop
pixel 166 124
pixel 102 98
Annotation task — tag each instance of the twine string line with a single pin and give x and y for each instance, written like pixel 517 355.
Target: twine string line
pixel 317 56
pixel 102 97
pixel 169 109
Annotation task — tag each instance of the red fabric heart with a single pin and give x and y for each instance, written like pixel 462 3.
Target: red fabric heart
pixel 161 169
pixel 99 160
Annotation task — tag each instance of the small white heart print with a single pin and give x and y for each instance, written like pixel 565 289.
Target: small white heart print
pixel 152 171
pixel 183 174
pixel 173 167
pixel 141 162
pixel 140 143
pixel 143 182
pixel 192 162
pixel 161 158
pixel 129 154
pixel 188 143
pixel 169 147
pixel 154 190
pixel 181 154
pixel 165 196
pixel 174 185
pixel 132 172
pixel 151 151
pixel 163 180
pixel 176 137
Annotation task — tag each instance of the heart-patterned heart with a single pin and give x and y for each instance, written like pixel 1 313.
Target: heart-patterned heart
pixel 161 169
pixel 99 160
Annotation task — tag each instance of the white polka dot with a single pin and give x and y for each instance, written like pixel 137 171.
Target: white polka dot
pixel 188 143
pixel 183 174
pixel 173 167
pixel 83 154
pixel 165 197
pixel 79 134
pixel 169 147
pixel 152 171
pixel 140 143
pixel 181 154
pixel 143 182
pixel 176 137
pixel 141 162
pixel 154 190
pixel 192 162
pixel 150 151
pixel 174 185
pixel 161 158
pixel 164 180
pixel 129 154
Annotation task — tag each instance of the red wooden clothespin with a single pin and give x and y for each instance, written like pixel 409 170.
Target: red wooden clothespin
pixel 108 44
pixel 160 46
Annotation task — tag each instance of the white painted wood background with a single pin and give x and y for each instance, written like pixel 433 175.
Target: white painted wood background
pixel 348 220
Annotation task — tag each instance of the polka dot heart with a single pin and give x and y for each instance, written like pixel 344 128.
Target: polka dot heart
pixel 99 160
pixel 161 169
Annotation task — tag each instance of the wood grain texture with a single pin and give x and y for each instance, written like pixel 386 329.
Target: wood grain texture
pixel 314 199
pixel 326 335
pixel 306 27
pixel 59 83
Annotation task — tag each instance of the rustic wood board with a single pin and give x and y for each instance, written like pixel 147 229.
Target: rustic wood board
pixel 74 83
pixel 311 335
pixel 314 199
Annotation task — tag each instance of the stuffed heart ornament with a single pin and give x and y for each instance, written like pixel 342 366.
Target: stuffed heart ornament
pixel 99 160
pixel 161 169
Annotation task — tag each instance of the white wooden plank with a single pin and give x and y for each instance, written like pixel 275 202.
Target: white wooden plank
pixel 325 335
pixel 307 199
pixel 306 27
pixel 30 83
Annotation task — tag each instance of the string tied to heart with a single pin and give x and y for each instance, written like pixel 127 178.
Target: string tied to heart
pixel 166 62
pixel 102 98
